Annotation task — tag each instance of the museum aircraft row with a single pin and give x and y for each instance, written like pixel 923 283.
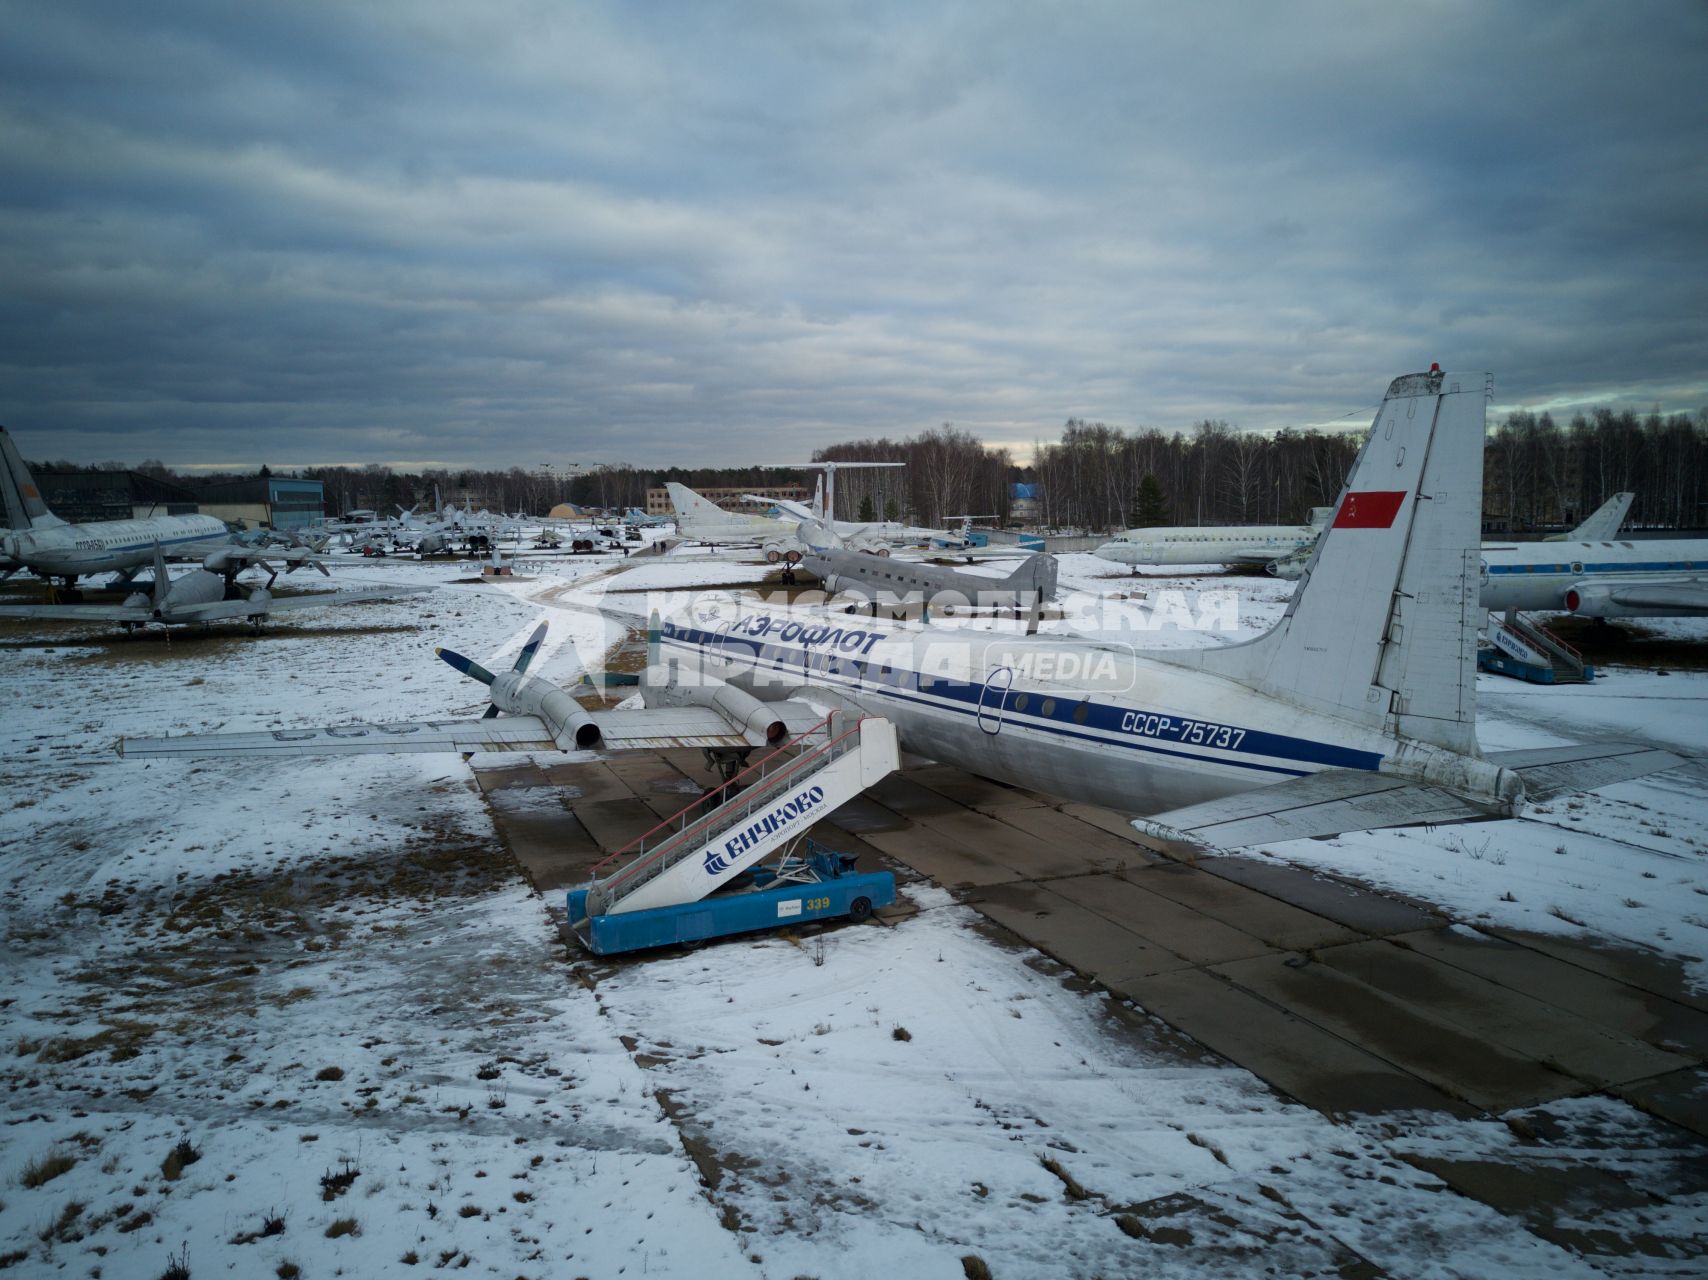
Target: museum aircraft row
pixel 1357 710
pixel 37 540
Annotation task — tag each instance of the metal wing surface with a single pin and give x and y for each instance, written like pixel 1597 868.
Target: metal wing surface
pixel 1320 804
pixel 1338 800
pixel 78 612
pixel 1550 771
pixel 502 733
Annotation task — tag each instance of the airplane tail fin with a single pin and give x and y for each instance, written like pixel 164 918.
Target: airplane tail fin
pixel 690 505
pixel 1383 626
pixel 24 508
pixel 818 499
pixel 1036 573
pixel 1605 522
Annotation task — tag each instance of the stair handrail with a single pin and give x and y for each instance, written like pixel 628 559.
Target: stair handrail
pixel 646 858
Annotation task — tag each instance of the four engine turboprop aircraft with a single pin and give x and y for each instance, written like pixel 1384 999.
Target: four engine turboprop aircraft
pixel 50 548
pixel 1357 710
pixel 197 596
pixel 1229 544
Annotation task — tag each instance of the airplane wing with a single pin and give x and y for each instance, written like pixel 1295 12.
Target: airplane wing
pixel 78 612
pixel 501 733
pixel 1337 800
pixel 644 728
pixel 245 608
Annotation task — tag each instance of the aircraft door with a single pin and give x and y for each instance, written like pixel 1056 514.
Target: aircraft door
pixel 993 699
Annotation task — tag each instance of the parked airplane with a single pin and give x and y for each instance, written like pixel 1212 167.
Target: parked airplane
pixel 1662 578
pixel 699 520
pixel 197 596
pixel 1357 710
pixel 50 548
pixel 898 582
pixel 1603 523
pixel 1230 544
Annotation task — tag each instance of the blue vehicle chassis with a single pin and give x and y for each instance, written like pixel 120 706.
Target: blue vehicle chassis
pixel 819 886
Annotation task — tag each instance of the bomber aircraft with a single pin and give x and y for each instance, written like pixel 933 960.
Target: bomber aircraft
pixel 1357 710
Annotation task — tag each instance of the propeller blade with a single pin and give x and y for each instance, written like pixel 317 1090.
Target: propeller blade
pixel 489 713
pixel 468 666
pixel 531 648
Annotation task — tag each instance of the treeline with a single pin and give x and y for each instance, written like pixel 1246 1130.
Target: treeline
pixel 1537 475
pixel 1213 474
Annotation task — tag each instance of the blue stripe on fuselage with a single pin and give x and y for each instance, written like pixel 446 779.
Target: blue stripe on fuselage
pixel 942 693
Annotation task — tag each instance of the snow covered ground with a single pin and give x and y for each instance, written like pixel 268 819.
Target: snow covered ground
pixel 325 982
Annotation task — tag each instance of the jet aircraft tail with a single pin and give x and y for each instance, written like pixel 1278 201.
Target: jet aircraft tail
pixel 24 508
pixel 691 506
pixel 1383 627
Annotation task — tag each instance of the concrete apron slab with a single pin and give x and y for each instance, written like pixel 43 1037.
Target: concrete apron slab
pixel 1492 1013
pixel 1454 1061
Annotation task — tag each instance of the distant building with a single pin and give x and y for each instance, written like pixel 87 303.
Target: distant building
pixel 275 501
pixel 1023 502
pixel 658 500
pixel 83 496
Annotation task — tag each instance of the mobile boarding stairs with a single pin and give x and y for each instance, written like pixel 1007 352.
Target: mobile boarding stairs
pixel 1529 651
pixel 647 892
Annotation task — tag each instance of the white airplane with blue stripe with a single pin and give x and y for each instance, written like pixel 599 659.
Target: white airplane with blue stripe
pixel 1357 710
pixel 1605 578
pixel 49 547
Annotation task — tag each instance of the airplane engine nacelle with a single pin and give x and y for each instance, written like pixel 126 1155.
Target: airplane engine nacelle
pixel 1593 602
pixel 137 600
pixel 568 720
pixel 196 587
pixel 737 706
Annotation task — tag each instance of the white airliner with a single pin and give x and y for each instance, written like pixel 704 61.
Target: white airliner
pixel 50 548
pixel 1357 710
pixel 1660 578
pixel 1226 544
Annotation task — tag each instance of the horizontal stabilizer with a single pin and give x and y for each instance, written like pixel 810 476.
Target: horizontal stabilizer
pixel 1320 804
pixel 1551 771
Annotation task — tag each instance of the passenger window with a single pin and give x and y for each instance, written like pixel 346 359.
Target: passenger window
pixel 1022 701
pixel 1081 712
pixel 1049 707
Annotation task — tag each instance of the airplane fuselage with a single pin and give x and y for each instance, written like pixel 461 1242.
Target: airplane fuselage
pixel 1089 723
pixel 73 550
pixel 1256 544
pixel 1545 575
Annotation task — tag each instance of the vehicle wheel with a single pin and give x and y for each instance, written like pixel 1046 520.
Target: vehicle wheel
pixel 860 910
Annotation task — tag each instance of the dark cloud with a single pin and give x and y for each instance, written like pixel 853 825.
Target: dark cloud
pixel 539 231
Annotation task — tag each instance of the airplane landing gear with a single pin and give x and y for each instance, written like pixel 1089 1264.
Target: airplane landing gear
pixel 728 761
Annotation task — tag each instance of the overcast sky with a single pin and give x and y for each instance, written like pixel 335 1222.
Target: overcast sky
pixel 507 233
